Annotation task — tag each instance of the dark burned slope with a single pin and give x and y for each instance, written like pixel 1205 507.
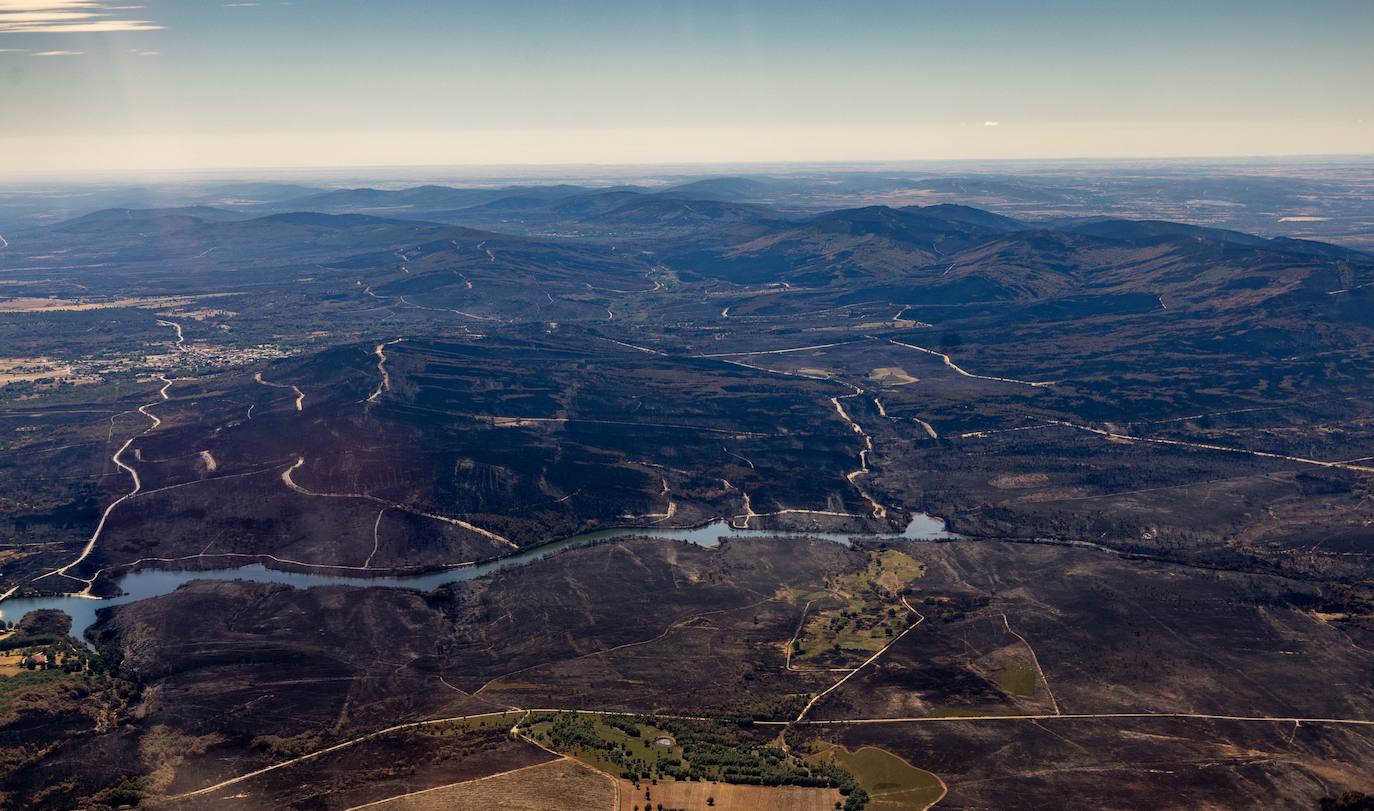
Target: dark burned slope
pixel 418 453
pixel 517 423
pixel 199 248
pixel 957 255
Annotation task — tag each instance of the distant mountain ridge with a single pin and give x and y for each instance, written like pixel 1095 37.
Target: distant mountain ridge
pixel 940 253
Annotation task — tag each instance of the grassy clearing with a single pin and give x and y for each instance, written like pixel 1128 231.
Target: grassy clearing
pixel 892 783
pixel 24 684
pixel 10 664
pixel 860 614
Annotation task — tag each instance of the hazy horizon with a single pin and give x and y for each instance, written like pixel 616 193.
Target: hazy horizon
pixel 399 175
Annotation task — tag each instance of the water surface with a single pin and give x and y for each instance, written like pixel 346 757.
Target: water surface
pixel 149 582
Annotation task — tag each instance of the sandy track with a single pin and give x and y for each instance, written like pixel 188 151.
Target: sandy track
pixel 879 511
pixel 865 663
pixel 385 383
pixel 1035 660
pixel 964 372
pixel 300 395
pixel 117 458
pixel 286 478
pixel 1210 447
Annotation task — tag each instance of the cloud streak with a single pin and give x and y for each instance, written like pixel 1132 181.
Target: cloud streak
pixel 68 17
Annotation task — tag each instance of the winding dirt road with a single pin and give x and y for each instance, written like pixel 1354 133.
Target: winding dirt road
pixel 119 462
pixel 1035 660
pixel 181 336
pixel 879 511
pixel 772 351
pixel 286 478
pixel 1112 435
pixel 870 660
pixel 300 395
pixel 385 384
pixel 964 372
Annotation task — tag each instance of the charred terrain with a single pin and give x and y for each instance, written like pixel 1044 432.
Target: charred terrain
pixel 1151 442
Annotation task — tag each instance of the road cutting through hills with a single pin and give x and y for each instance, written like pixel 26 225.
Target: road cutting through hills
pixel 117 459
pixel 964 372
pixel 300 395
pixel 385 383
pixel 288 480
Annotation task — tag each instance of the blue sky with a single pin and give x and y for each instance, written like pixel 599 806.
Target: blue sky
pixel 180 83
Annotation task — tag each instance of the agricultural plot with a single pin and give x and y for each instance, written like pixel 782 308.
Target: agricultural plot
pixel 563 785
pixel 690 796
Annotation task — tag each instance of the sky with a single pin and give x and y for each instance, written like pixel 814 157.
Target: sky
pixel 142 85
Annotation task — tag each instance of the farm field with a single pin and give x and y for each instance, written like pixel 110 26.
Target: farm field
pixel 697 796
pixel 563 785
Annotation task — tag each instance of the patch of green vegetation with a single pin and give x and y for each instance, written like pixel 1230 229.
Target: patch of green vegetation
pixel 27 688
pixel 32 665
pixel 863 614
pixel 890 783
pixel 162 749
pixel 643 748
pixel 1018 678
pixel 613 744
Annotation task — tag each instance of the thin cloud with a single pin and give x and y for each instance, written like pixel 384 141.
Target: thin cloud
pixel 68 17
pixel 45 5
pixel 992 123
pixel 58 53
pixel 99 27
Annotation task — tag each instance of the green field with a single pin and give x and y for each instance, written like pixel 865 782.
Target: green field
pixel 1018 678
pixel 892 783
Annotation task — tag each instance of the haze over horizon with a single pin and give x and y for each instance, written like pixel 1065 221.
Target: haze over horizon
pixel 93 86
